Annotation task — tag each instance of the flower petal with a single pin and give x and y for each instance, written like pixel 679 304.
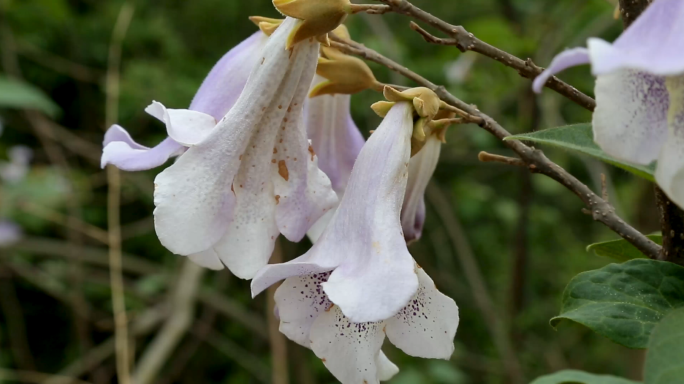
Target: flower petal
pixel 375 275
pixel 630 120
pixel 349 350
pixel 129 157
pixel 118 133
pixel 183 125
pixel 421 167
pixel 300 300
pixel 427 326
pixel 222 87
pixel 207 259
pixel 334 136
pixel 386 368
pixel 316 230
pixel 304 191
pixel 193 197
pixel 670 171
pixel 653 43
pixel 564 60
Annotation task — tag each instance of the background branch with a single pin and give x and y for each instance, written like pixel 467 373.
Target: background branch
pixel 466 41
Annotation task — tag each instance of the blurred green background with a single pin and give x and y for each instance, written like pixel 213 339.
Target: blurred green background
pixel 526 232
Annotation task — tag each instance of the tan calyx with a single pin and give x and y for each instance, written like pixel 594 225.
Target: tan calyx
pixel 316 17
pixel 344 74
pixel 431 115
pixel 266 24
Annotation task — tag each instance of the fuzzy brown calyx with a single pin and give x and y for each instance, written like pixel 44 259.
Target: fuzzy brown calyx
pixel 344 74
pixel 266 24
pixel 317 17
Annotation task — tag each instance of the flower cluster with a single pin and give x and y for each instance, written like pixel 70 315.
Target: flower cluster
pixel 268 147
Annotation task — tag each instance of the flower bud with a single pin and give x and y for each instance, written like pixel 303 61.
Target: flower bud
pixel 344 74
pixel 317 17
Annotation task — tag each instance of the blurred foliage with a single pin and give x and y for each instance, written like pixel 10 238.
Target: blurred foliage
pixel 527 232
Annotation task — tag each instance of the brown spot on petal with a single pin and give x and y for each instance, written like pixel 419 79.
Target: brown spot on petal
pixel 277 199
pixel 282 170
pixel 289 109
pixel 285 119
pixel 240 157
pixel 275 150
pixel 311 151
pixel 273 161
pixel 280 107
pixel 262 60
pixel 324 360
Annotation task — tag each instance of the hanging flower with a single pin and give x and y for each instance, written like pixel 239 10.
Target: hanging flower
pixel 251 177
pixel 373 272
pixel 358 282
pixel 421 168
pixel 639 114
pixel 329 124
pixel 215 97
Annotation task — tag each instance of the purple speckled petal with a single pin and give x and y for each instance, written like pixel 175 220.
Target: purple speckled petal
pixel 427 326
pixel 10 233
pixel 131 156
pixel 670 170
pixel 300 300
pixel 349 350
pixel 421 168
pixel 373 273
pixel 222 87
pixel 334 136
pixel 653 43
pixel 562 61
pixel 630 120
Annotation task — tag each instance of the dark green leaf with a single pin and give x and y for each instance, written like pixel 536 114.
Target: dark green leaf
pixel 579 138
pixel 665 358
pixel 620 250
pixel 623 302
pixel 19 94
pixel 580 377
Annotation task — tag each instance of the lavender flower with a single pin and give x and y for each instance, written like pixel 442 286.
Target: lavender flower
pixel 639 114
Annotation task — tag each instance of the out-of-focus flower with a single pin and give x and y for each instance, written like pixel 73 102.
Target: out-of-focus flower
pixel 639 114
pixel 215 97
pixel 254 175
pixel 10 233
pixel 18 166
pixel 358 282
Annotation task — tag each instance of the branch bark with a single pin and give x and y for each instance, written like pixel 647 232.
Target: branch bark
pixel 466 41
pixel 535 159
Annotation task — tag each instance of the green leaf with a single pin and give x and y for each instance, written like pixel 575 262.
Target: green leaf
pixel 19 94
pixel 579 138
pixel 665 357
pixel 620 250
pixel 579 377
pixel 623 302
